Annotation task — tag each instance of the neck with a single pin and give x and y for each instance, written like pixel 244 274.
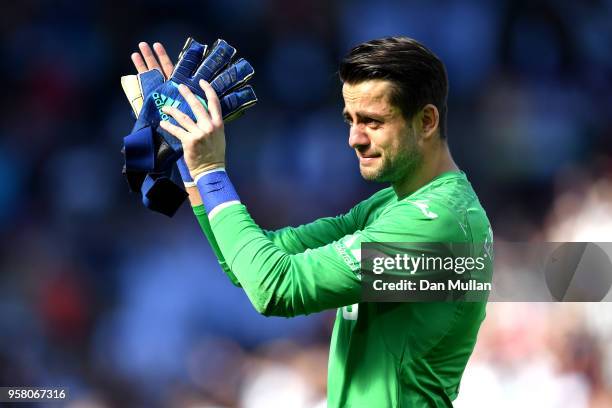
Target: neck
pixel 433 165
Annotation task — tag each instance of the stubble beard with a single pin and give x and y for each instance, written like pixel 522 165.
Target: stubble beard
pixel 396 167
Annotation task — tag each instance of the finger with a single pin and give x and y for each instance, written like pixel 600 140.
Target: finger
pixel 164 59
pixel 181 118
pixel 176 131
pixel 149 58
pixel 195 104
pixel 138 62
pixel 214 106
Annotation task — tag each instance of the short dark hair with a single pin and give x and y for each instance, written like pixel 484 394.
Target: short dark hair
pixel 418 75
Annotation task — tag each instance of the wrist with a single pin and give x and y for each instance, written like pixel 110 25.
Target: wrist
pixel 216 190
pixel 198 172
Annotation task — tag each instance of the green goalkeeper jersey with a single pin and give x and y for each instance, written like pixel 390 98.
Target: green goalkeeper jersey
pixel 381 354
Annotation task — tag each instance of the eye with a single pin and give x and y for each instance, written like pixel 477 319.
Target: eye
pixel 348 121
pixel 372 123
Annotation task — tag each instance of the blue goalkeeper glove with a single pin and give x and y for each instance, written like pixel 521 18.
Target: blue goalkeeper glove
pixel 150 152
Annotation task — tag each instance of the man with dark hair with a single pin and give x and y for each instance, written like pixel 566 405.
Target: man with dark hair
pixel 409 354
pixel 417 75
pixel 406 88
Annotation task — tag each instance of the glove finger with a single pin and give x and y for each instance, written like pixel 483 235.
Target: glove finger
pixel 220 55
pixel 189 59
pixel 237 101
pixel 150 80
pixel 232 77
pixel 131 89
pixel 233 116
pixel 137 87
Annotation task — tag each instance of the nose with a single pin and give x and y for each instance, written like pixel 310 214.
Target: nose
pixel 358 137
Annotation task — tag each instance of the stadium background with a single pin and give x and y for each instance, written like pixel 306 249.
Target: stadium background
pixel 128 308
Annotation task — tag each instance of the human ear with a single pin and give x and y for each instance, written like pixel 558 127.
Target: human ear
pixel 429 120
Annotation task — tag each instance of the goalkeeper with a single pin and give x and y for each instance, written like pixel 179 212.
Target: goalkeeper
pixel 381 354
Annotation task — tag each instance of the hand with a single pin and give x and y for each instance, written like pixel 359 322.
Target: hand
pixel 148 61
pixel 203 141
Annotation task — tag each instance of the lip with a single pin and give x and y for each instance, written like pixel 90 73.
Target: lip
pixel 366 159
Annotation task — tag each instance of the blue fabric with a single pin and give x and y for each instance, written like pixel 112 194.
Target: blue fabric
pixel 161 194
pixel 144 152
pixel 139 150
pixel 150 80
pixel 139 154
pixel 190 69
pixel 232 77
pixel 215 189
pixel 184 170
pixel 134 179
pixel 234 103
pixel 150 152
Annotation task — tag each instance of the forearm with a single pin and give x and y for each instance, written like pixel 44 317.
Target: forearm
pixel 276 282
pixel 290 239
pixel 313 235
pixel 200 212
pixel 202 217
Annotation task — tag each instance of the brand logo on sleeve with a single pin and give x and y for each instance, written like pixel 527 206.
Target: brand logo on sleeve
pixel 349 248
pixel 424 207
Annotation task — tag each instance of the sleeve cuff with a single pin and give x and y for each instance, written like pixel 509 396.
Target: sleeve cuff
pixel 217 191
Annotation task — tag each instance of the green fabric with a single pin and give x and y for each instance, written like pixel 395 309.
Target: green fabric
pixel 200 213
pixel 382 354
pixel 325 230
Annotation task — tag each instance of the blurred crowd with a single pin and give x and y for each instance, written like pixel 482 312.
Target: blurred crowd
pixel 128 308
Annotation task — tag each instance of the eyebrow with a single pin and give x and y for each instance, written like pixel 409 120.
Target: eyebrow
pixel 365 114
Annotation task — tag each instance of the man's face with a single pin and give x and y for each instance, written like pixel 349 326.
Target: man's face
pixel 384 141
